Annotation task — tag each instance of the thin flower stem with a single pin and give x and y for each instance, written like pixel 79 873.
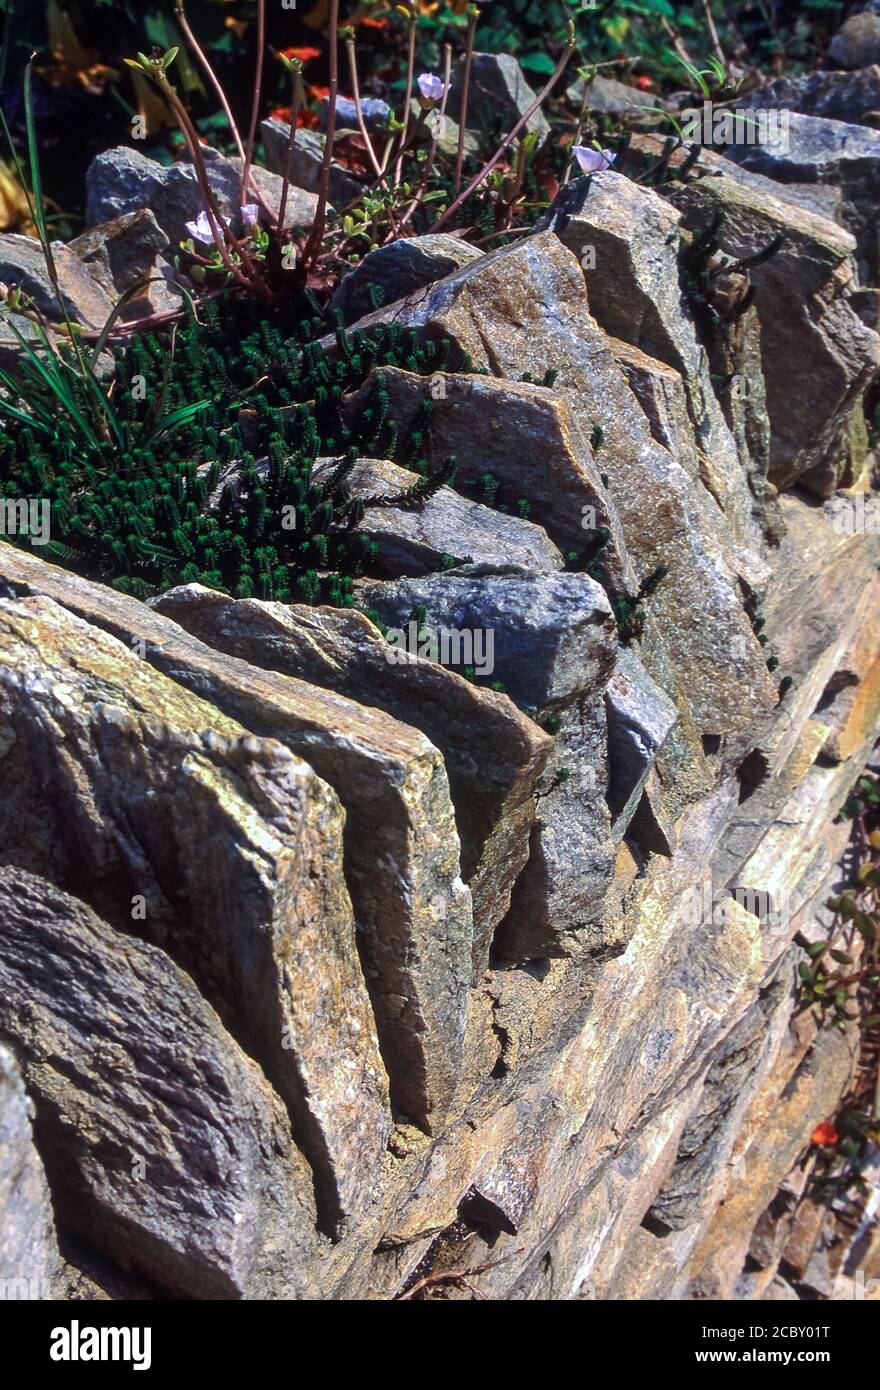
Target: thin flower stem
pixel 713 34
pixel 582 114
pixel 359 110
pixel 410 73
pixel 465 93
pixel 432 153
pixel 317 233
pixel 214 215
pixel 677 43
pixel 258 89
pixel 507 141
pixel 296 102
pixel 209 73
pixel 220 94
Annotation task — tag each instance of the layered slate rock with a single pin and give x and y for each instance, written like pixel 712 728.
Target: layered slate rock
pixel 640 718
pixel 553 648
pixel 23 267
pixel 498 86
pixel 494 755
pixel 414 537
pixel 127 257
pixel 398 269
pixel 550 638
pixel 29 1256
pixel 636 294
pixel 150 777
pixel 167 1149
pixel 818 356
pixel 556 909
pixel 401 850
pixel 813 150
pixel 123 180
pixel 307 162
pixel 836 96
pixel 783 1130
pixel 521 434
pixel 525 307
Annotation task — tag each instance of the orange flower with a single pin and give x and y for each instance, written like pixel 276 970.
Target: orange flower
pixel 825 1136
pixel 369 23
pixel 304 53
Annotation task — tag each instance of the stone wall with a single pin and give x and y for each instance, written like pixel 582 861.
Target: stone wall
pixel 327 974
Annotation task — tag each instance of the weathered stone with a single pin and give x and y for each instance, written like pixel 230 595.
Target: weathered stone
pixel 151 775
pixel 123 180
pixel 857 43
pixel 398 269
pixel 307 162
pixel 627 238
pixel 711 1130
pixel 417 538
pixel 375 112
pixel 164 1145
pixel 549 638
pixel 522 435
pixel 493 754
pixel 818 357
pixel 660 391
pixel 818 151
pixel 23 267
pixel 525 307
pixel 497 88
pixel 838 96
pixel 611 97
pixel 556 907
pixel 126 253
pixel 412 912
pixel 640 717
pixel 29 1256
pixel 431 125
pixel 784 1133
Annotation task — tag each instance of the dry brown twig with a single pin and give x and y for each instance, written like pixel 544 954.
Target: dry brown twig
pixel 460 1279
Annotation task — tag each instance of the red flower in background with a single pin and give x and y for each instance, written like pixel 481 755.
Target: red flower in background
pixel 304 54
pixel 824 1136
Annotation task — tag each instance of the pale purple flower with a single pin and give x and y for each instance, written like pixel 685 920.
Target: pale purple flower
pixel 431 86
pixel 250 214
pixel 592 161
pixel 201 228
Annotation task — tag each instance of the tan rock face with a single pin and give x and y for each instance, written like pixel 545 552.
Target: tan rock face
pixel 557 904
pixel 524 309
pixel 163 1139
pixel 818 357
pixel 28 1251
pixel 178 824
pixel 401 850
pixel 627 238
pixel 494 755
pixel 523 435
pixel 418 537
pixel 327 969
